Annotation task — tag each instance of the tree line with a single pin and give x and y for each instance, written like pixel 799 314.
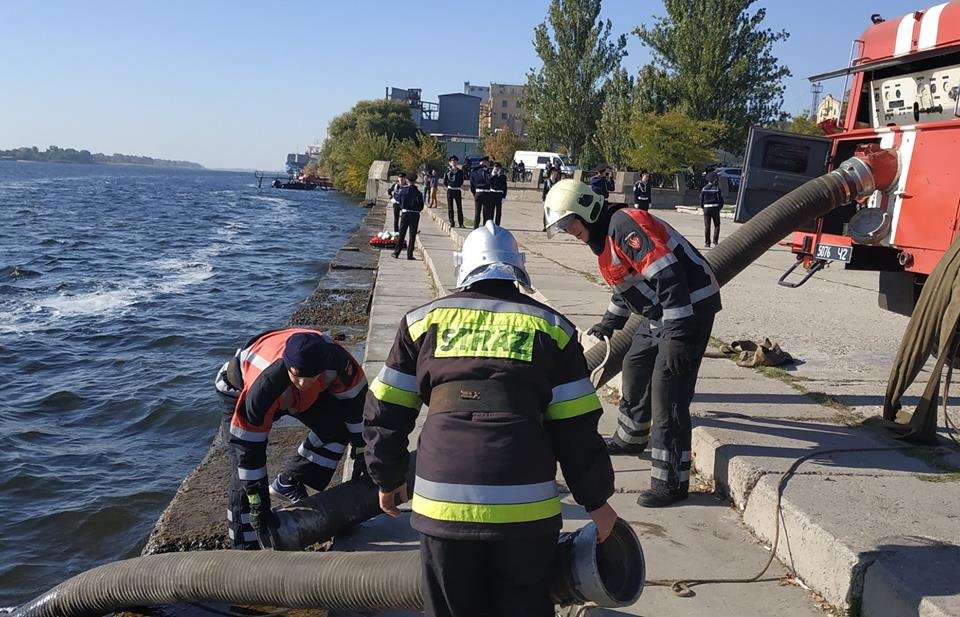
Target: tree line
pixel 56 154
pixel 713 74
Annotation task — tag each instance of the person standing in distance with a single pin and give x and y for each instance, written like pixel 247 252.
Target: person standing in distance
pixel 411 205
pixel 498 183
pixel 509 397
pixel 654 272
pixel 394 199
pixel 711 202
pixel 641 192
pixel 453 180
pixel 481 190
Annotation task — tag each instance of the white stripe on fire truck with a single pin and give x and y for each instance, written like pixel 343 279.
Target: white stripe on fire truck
pixel 904 35
pixel 929 26
pixel 909 138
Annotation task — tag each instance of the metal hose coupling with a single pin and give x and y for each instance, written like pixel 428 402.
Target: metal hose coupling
pixel 870 169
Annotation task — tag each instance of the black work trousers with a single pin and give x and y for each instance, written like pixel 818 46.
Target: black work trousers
pixel 711 214
pixel 642 204
pixel 486 578
pixel 455 196
pixel 655 406
pixel 313 464
pixel 396 217
pixel 409 222
pixel 497 208
pixel 483 208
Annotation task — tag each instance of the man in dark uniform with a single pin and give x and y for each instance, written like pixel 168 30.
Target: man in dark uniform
pixel 298 372
pixel 411 205
pixel 453 180
pixel 641 192
pixel 509 397
pixel 602 182
pixel 392 192
pixel 655 272
pixel 498 182
pixel 480 188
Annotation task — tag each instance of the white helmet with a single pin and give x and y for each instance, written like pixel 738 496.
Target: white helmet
pixel 490 252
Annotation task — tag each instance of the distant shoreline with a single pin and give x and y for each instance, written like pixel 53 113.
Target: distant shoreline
pixel 54 154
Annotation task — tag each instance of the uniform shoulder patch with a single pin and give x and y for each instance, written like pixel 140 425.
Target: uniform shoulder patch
pixel 634 240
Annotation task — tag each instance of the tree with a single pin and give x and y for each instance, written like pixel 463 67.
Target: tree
pixel 713 61
pixel 502 145
pixel 612 139
pixel 803 123
pixel 387 118
pixel 562 100
pixel 421 151
pixel 672 142
pixel 358 155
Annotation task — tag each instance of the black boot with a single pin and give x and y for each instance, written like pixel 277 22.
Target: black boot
pixel 614 448
pixel 660 497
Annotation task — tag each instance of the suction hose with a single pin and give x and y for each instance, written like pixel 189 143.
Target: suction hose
pixel 611 574
pixel 872 168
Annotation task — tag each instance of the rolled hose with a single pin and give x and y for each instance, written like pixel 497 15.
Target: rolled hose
pixel 611 574
pixel 853 178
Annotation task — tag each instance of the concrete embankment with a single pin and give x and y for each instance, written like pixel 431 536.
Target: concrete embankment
pixel 195 518
pixel 867 524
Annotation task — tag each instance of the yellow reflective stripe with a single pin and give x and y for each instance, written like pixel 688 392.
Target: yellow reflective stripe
pixel 576 407
pixel 453 317
pixel 486 513
pixel 390 394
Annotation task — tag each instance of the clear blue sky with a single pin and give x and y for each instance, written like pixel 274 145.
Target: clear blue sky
pixel 240 84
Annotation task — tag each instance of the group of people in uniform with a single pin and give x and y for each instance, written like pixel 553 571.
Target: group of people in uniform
pixel 509 397
pixel 488 185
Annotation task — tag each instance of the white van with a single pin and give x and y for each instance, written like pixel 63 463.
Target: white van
pixel 540 160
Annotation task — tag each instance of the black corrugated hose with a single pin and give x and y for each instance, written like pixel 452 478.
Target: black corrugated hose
pixel 741 248
pixel 365 581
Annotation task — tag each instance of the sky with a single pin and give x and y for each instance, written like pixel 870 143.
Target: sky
pixel 240 84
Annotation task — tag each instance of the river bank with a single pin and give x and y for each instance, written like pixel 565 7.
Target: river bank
pixel 339 306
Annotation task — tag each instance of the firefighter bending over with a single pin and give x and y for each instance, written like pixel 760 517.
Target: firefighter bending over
pixel 656 273
pixel 299 372
pixel 509 396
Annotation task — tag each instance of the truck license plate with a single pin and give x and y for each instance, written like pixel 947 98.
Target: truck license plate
pixel 832 252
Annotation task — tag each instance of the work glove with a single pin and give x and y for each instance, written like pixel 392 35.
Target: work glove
pixel 676 356
pixel 262 518
pixel 600 331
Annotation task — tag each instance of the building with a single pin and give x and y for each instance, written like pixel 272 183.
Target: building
pixel 504 110
pixel 482 91
pixel 425 114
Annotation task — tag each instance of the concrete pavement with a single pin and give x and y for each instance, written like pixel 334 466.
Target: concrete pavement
pixel 703 538
pixel 873 529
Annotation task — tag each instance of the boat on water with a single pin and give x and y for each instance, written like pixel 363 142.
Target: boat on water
pixel 295 185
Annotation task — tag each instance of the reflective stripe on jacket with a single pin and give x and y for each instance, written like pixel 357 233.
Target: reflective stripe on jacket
pixel 268 394
pixel 490 474
pixel 655 272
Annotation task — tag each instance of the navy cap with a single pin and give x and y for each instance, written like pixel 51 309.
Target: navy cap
pixel 306 352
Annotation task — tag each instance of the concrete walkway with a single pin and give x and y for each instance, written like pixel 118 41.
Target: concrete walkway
pixel 703 538
pixel 873 529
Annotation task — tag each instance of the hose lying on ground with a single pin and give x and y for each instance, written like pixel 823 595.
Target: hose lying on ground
pixel 933 324
pixel 853 178
pixel 610 574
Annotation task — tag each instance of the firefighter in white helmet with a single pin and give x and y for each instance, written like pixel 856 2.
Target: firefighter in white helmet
pixel 657 274
pixel 509 397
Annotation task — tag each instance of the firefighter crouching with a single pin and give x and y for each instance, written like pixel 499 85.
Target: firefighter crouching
pixel 655 272
pixel 509 396
pixel 299 372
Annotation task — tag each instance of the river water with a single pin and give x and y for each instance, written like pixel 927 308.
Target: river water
pixel 122 290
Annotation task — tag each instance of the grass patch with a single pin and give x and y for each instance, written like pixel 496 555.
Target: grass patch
pixel 941 477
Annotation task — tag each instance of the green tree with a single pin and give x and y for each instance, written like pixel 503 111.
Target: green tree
pixel 388 118
pixel 612 139
pixel 421 151
pixel 803 123
pixel 358 155
pixel 672 142
pixel 502 145
pixel 713 61
pixel 562 99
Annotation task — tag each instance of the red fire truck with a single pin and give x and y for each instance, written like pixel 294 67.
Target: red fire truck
pixel 902 92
